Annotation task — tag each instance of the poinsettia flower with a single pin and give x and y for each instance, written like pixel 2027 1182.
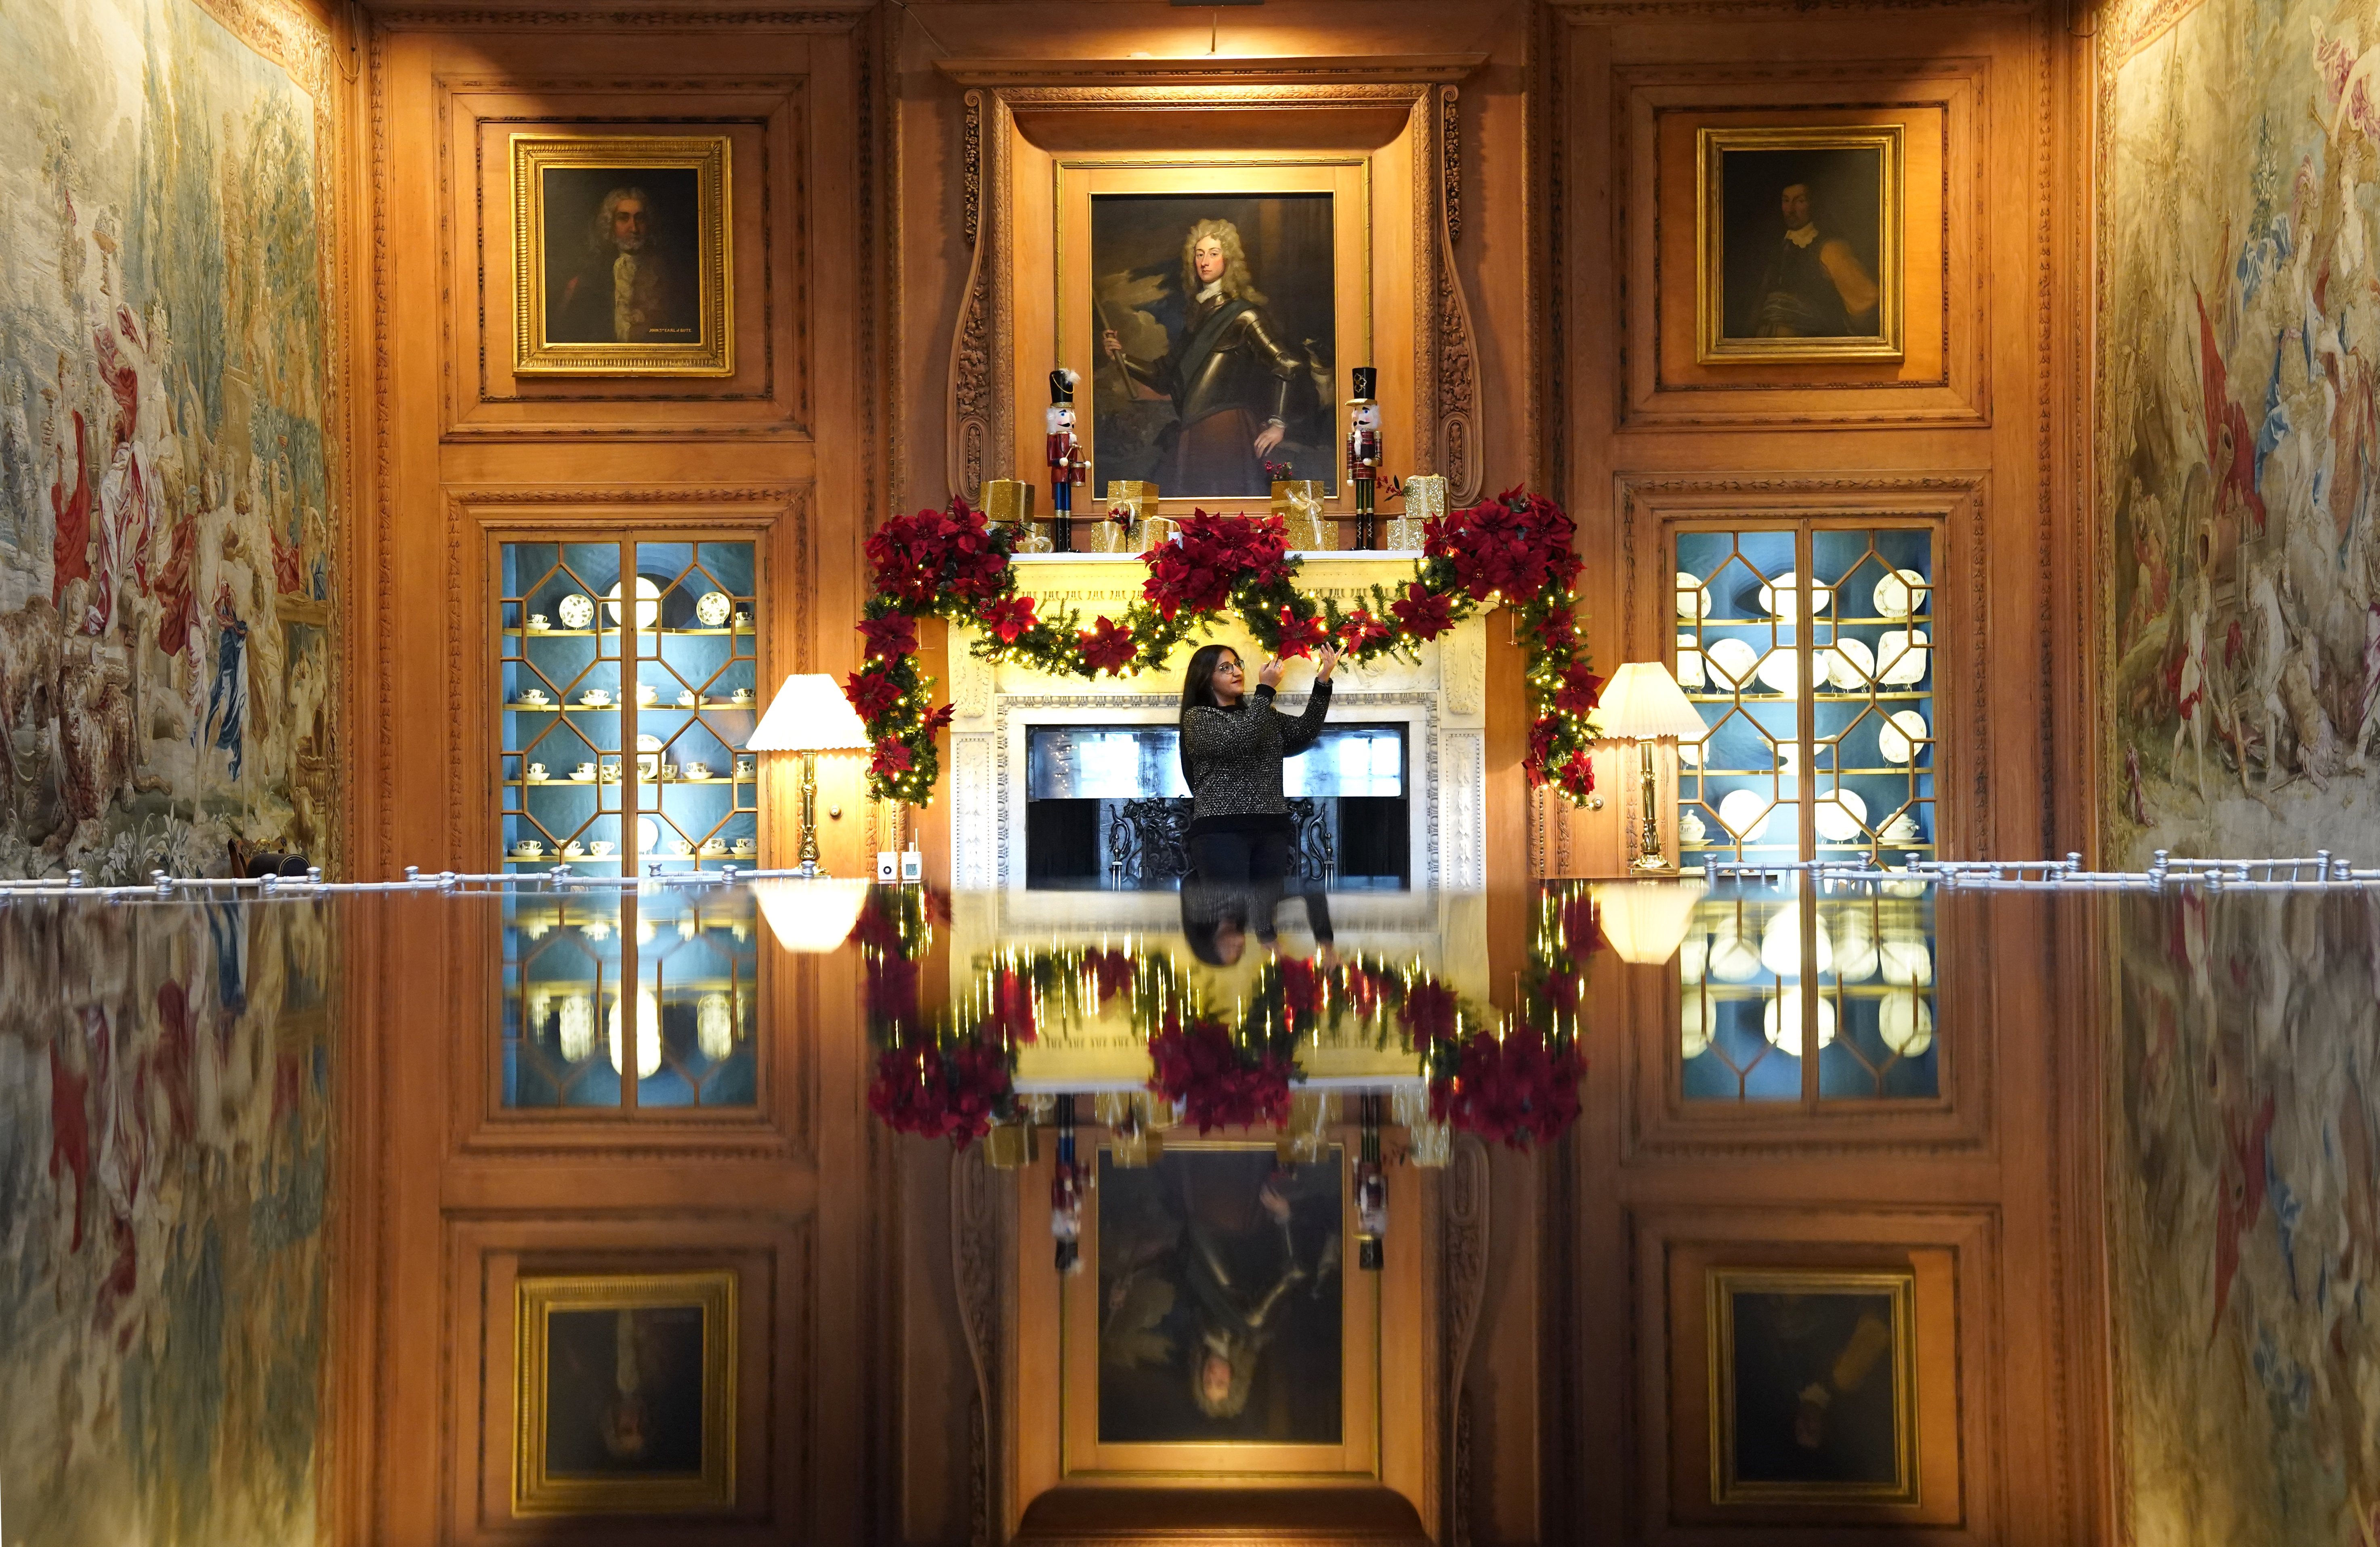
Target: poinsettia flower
pixel 923 1090
pixel 873 694
pixel 1009 617
pixel 1580 691
pixel 1429 1011
pixel 1300 991
pixel 892 758
pixel 935 720
pixel 1107 646
pixel 1518 1088
pixel 891 637
pixel 1424 616
pixel 1217 1082
pixel 1359 630
pixel 1300 636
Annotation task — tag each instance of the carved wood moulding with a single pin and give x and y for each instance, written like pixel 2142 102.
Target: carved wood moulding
pixel 987 358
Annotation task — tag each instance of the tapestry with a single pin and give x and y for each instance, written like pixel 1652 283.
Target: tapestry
pixel 166 1103
pixel 168 491
pixel 2238 447
pixel 2244 1219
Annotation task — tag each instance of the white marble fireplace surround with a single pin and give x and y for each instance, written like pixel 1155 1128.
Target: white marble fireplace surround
pixel 1441 700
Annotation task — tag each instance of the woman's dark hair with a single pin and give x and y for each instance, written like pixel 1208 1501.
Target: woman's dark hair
pixel 1199 693
pixel 1206 908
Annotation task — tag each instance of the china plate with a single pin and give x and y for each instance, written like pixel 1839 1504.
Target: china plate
pixel 1780 669
pixel 1744 813
pixel 1850 665
pixel 575 611
pixel 1778 599
pixel 1899 594
pixel 714 610
pixel 1690 663
pixel 1901 657
pixel 1733 662
pixel 1898 737
pixel 1906 1024
pixel 1693 597
pixel 1840 817
pixel 1782 1022
pixel 648 603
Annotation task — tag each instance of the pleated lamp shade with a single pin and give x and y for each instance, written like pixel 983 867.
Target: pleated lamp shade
pixel 809 713
pixel 1645 920
pixel 1642 701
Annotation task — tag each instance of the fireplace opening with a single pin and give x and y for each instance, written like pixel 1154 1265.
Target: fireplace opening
pixel 1106 807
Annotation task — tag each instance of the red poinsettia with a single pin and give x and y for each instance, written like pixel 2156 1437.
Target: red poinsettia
pixel 1581 690
pixel 1209 555
pixel 1013 1015
pixel 1111 974
pixel 1009 617
pixel 873 694
pixel 1424 616
pixel 1300 991
pixel 1299 637
pixel 1107 646
pixel 892 758
pixel 1516 1089
pixel 1582 925
pixel 1359 630
pixel 890 636
pixel 921 1089
pixel 1429 1011
pixel 1214 1081
pixel 892 989
pixel 1514 544
pixel 922 559
pixel 1557 635
pixel 935 720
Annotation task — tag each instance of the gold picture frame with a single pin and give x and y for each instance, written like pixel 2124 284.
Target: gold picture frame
pixel 676 303
pixel 1092 1450
pixel 581 1427
pixel 1216 184
pixel 1819 1408
pixel 1749 308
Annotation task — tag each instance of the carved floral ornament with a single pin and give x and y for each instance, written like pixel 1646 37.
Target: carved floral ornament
pixel 950 1072
pixel 1515 551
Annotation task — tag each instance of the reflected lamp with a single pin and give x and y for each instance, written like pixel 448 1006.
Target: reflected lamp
pixel 1643 703
pixel 809 715
pixel 811 916
pixel 1645 920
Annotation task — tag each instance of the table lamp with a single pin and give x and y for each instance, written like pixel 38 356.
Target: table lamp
pixel 809 715
pixel 1643 703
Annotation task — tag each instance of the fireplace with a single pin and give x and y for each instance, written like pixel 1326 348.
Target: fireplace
pixel 1043 767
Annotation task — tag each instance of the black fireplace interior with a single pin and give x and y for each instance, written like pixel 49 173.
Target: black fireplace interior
pixel 1105 807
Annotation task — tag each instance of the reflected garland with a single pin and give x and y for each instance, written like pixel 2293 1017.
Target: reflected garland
pixel 1512 1079
pixel 1517 550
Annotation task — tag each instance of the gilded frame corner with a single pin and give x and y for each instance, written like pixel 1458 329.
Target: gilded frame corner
pixel 1722 1284
pixel 708 157
pixel 1712 347
pixel 536 1491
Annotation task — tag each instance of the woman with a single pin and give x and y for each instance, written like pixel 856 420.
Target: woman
pixel 1233 747
pixel 1233 375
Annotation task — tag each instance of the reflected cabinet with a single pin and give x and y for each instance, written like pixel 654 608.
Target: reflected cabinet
pixel 627 687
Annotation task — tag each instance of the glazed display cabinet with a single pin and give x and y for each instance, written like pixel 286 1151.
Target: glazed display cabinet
pixel 627 680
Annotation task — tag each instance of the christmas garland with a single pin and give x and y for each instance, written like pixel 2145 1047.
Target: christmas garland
pixel 1516 549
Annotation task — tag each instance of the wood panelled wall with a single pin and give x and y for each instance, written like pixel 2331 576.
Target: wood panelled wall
pixel 1979 428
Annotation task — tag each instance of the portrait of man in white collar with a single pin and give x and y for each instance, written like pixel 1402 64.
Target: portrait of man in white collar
pixel 1815 285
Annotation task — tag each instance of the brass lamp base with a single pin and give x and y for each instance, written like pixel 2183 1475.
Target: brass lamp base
pixel 1649 859
pixel 809 854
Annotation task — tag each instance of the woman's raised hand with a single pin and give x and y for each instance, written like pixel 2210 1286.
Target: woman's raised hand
pixel 1268 674
pixel 1326 661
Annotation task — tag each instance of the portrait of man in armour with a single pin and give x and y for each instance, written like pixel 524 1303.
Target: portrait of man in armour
pixel 1214 322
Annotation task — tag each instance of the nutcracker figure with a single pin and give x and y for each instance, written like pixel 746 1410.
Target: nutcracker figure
pixel 1068 465
pixel 1364 454
pixel 1066 1194
pixel 1371 1191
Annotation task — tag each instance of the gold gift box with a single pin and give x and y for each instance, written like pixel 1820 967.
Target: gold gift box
pixel 1135 500
pixel 1298 501
pixel 1424 497
pixel 1012 1146
pixel 1009 500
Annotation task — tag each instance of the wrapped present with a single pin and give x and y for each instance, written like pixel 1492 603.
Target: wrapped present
pixel 1131 507
pixel 1012 1146
pixel 1425 499
pixel 1298 503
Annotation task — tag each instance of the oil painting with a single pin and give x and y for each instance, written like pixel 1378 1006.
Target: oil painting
pixel 1221 1292
pixel 621 257
pixel 2243 1224
pixel 168 490
pixel 625 1393
pixel 1813 1397
pixel 2237 438
pixel 1215 317
pixel 1799 232
pixel 166 1111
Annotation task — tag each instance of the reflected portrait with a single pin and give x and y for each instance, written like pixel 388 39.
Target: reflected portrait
pixel 1221 1298
pixel 1215 326
pixel 1800 247
pixel 625 1393
pixel 1814 1377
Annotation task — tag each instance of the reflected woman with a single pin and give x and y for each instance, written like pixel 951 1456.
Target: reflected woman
pixel 1233 747
pixel 1230 372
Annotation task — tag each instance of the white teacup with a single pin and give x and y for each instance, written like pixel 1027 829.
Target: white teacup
pixel 583 771
pixel 685 698
pixel 599 847
pixel 534 695
pixel 743 617
pixel 529 848
pixel 745 766
pixel 712 846
pixel 746 847
pixel 680 846
pixel 596 698
pixel 571 849
pixel 537 770
pixel 741 695
pixel 611 773
pixel 539 621
pixel 695 770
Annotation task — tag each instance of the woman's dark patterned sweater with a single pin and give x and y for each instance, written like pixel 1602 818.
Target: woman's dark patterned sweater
pixel 1232 759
